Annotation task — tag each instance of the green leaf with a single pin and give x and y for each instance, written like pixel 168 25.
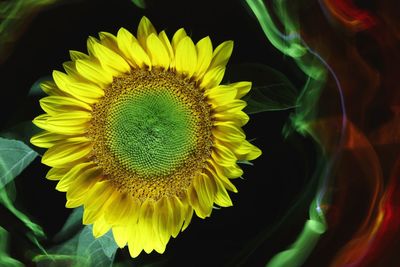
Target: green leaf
pixel 36 90
pixel 15 156
pixel 37 231
pixel 72 225
pixel 61 255
pixel 271 90
pixel 246 162
pixel 83 250
pixel 87 245
pixel 100 251
pixel 5 259
pixel 23 131
pixel 139 3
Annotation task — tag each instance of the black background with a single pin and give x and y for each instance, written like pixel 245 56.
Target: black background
pixel 231 236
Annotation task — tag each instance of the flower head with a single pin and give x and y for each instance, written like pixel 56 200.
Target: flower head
pixel 141 133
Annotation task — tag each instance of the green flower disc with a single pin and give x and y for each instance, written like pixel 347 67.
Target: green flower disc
pixel 150 132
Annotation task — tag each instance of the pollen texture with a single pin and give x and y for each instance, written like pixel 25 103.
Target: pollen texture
pixel 152 132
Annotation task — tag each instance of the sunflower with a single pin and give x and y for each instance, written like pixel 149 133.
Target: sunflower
pixel 141 133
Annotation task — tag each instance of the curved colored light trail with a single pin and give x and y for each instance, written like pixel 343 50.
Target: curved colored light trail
pixel 349 106
pixel 355 122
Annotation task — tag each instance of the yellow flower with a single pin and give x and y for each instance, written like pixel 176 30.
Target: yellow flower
pixel 141 133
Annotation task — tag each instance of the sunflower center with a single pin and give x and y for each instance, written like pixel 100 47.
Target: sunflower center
pixel 151 133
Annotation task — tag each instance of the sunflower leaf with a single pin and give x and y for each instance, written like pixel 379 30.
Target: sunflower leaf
pixel 271 97
pixel 98 251
pixel 271 90
pixel 72 225
pixel 15 156
pixel 246 162
pixel 82 250
pixel 5 259
pixel 139 3
pixel 61 255
pixel 36 90
pixel 23 131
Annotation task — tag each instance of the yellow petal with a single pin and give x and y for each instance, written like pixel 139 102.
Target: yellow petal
pixel 100 227
pixel 73 203
pixel 178 36
pixel 221 55
pixel 221 95
pixel 159 245
pixel 218 173
pixel 145 28
pixel 134 241
pixel 109 40
pixel 233 107
pixel 140 56
pixel 223 156
pixel 202 210
pixel 145 226
pixel 93 72
pixel 110 61
pixel 247 151
pixel 99 197
pixel 50 88
pixel 47 139
pixel 68 85
pixel 213 77
pixel 83 182
pixel 188 213
pixel 222 197
pixel 72 174
pixel 142 235
pixel 71 123
pixel 65 154
pixel 163 219
pixel 125 40
pixel 228 132
pixel 158 54
pixel 75 55
pixel 239 117
pixel 90 45
pixel 123 210
pixel 186 57
pixel 206 189
pixel 204 55
pixel 177 215
pixel 232 172
pixel 242 88
pixel 56 174
pixel 167 44
pixel 70 69
pixel 120 235
pixel 87 92
pixel 60 104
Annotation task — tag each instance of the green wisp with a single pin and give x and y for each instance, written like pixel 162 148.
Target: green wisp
pixel 151 132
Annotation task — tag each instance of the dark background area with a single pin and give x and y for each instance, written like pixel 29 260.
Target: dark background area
pixel 250 232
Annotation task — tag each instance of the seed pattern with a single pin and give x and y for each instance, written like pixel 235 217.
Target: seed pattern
pixel 151 133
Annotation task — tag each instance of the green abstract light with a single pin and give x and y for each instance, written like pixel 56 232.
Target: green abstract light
pixel 289 42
